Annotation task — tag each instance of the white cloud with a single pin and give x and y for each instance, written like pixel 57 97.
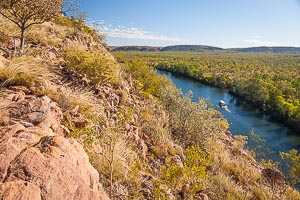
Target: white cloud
pixel 256 41
pixel 119 31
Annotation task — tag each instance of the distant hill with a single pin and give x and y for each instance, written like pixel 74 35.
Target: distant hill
pixel 204 48
pixel 135 48
pixel 292 50
pixel 190 48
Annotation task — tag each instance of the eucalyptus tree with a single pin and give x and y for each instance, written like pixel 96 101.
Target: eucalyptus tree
pixel 25 13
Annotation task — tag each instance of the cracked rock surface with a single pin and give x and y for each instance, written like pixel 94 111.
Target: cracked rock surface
pixel 36 160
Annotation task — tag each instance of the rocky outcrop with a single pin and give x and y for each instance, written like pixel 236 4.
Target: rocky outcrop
pixel 37 161
pixel 273 176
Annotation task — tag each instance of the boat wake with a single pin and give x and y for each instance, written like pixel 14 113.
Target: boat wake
pixel 226 108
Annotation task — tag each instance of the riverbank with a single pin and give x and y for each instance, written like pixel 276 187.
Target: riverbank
pixel 268 81
pixel 243 117
pixel 263 107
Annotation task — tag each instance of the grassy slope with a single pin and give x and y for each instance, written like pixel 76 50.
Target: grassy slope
pixel 144 139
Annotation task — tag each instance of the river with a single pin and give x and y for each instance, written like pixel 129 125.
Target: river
pixel 242 117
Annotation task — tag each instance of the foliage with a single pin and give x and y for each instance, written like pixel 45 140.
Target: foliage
pixel 191 122
pixel 69 98
pixel 113 158
pixel 150 82
pixel 232 172
pixel 292 161
pixel 98 67
pixel 189 178
pixel 25 13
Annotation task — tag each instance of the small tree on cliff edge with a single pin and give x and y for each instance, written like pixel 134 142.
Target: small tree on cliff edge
pixel 25 13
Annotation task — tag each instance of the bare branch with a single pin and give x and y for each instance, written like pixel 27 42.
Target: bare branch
pixel 10 18
pixel 6 51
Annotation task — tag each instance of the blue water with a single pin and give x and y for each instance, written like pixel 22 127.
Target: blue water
pixel 242 117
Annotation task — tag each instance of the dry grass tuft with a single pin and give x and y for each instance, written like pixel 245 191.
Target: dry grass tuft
pixel 113 153
pixel 75 45
pixel 68 97
pixel 223 187
pixel 49 33
pixel 25 71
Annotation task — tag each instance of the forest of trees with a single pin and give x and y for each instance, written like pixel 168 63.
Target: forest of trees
pixel 270 81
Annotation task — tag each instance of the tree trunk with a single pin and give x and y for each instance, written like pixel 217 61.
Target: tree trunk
pixel 22 38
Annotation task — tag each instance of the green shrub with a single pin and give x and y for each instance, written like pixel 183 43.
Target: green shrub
pixel 150 82
pixel 292 161
pixel 95 65
pixel 188 179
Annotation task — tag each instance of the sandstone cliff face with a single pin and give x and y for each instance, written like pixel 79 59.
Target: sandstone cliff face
pixel 36 161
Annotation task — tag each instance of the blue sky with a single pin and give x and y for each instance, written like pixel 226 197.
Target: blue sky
pixel 222 23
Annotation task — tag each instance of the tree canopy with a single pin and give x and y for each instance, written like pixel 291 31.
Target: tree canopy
pixel 25 13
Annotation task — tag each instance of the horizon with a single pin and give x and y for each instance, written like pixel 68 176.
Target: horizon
pixel 204 45
pixel 219 23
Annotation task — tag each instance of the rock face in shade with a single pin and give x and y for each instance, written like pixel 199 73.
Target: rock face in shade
pixel 37 161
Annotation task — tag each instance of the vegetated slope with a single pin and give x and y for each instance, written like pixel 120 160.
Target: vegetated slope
pixel 145 139
pixel 203 48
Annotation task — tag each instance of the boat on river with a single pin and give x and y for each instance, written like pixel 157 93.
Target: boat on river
pixel 222 103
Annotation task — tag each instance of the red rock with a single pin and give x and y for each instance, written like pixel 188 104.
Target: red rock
pixel 273 176
pixel 19 190
pixel 20 89
pixel 37 162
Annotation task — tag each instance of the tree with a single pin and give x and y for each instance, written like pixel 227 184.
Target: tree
pixel 25 13
pixel 292 161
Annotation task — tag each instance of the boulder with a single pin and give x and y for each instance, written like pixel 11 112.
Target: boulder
pixel 273 176
pixel 19 190
pixel 37 161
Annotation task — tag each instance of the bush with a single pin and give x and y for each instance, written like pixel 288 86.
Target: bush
pixel 188 179
pixel 292 161
pixel 192 123
pixel 97 66
pixel 68 98
pixel 150 82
